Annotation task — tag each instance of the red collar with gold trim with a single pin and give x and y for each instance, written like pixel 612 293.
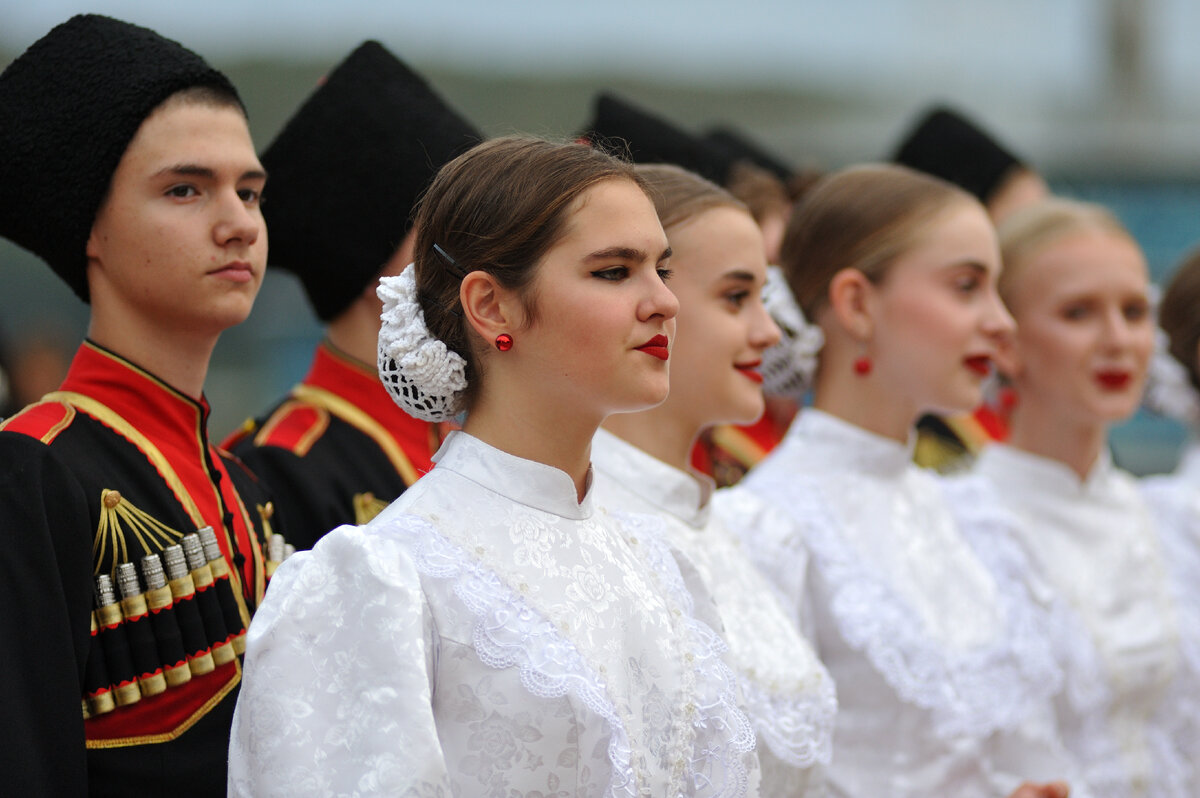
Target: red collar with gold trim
pixel 336 372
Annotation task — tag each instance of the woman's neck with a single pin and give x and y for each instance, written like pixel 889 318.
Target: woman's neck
pixel 659 432
pixel 1054 435
pixel 862 400
pixel 535 429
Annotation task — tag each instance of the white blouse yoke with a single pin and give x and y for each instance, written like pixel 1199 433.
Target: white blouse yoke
pixel 489 635
pixel 789 695
pixel 945 680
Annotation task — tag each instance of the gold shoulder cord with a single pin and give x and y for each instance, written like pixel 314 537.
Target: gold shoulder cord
pixel 106 415
pixel 360 420
pixel 366 507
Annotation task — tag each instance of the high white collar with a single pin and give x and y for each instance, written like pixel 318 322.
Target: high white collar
pixel 524 481
pixel 833 444
pixel 678 493
pixel 1035 475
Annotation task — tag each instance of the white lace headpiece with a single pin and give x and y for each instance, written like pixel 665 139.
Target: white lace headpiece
pixel 788 367
pixel 1169 390
pixel 422 374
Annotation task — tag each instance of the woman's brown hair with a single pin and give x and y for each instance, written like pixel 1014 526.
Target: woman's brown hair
pixel 863 218
pixel 680 195
pixel 498 208
pixel 1179 314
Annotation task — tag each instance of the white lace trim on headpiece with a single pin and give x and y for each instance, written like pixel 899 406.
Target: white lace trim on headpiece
pixel 422 374
pixel 788 367
pixel 1169 390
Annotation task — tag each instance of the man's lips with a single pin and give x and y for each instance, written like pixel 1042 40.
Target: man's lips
pixel 238 272
pixel 656 347
pixel 750 370
pixel 1113 380
pixel 980 364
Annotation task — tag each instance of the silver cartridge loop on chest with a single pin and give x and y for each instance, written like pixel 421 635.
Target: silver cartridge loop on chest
pixel 275 553
pixel 206 599
pixel 187 612
pixel 167 635
pixel 115 642
pixel 234 623
pixel 139 629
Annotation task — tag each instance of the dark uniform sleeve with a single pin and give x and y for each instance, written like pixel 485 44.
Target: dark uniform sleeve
pixel 45 610
pixel 308 502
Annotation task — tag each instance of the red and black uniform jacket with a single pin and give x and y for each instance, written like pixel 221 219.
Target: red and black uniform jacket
pixel 337 450
pixel 120 467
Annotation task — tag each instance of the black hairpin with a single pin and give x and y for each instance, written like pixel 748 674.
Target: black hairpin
pixel 454 267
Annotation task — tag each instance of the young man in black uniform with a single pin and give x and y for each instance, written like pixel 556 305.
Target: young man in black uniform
pixel 129 169
pixel 353 159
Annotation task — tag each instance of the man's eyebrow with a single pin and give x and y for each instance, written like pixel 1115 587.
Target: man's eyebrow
pixel 739 275
pixel 195 170
pixel 666 253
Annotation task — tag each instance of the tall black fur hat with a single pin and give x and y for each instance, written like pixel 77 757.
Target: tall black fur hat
pixel 347 170
pixel 651 139
pixel 69 106
pixel 736 145
pixel 948 145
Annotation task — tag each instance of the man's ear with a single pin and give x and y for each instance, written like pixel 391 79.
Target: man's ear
pixel 849 299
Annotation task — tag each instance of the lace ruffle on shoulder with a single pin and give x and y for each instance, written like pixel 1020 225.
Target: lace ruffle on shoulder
pixel 972 692
pixel 989 528
pixel 1176 734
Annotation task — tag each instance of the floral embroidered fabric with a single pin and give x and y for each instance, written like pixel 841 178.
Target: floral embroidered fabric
pixel 519 643
pixel 787 693
pixel 945 676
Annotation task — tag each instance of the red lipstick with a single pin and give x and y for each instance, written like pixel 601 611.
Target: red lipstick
pixel 656 347
pixel 750 371
pixel 980 364
pixel 1113 380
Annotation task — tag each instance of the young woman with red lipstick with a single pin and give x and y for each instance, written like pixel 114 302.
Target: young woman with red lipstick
pixel 1076 282
pixel 642 465
pixel 944 682
pixel 493 632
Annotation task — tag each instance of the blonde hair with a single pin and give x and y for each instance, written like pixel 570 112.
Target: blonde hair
pixel 863 218
pixel 1030 230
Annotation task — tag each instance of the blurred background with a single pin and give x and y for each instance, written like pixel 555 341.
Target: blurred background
pixel 1099 95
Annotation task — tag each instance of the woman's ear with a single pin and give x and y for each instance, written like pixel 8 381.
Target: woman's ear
pixel 849 300
pixel 490 308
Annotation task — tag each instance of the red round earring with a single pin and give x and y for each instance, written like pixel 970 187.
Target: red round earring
pixel 862 365
pixel 504 342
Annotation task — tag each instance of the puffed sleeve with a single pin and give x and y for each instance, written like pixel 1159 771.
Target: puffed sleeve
pixel 336 693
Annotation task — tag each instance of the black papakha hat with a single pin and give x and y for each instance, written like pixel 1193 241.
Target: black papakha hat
pixel 736 145
pixel 69 106
pixel 651 139
pixel 946 144
pixel 347 170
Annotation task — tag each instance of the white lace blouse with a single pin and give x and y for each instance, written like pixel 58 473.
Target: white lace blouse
pixel 787 693
pixel 487 635
pixel 1096 558
pixel 1174 501
pixel 944 677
